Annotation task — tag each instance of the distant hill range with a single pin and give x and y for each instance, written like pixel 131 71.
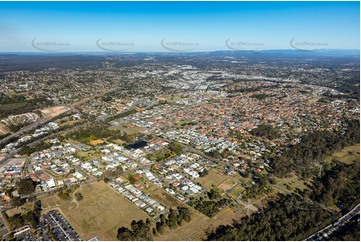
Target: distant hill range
pixel 36 61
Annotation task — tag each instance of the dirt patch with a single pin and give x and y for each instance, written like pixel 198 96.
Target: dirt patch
pixel 227 184
pixel 4 129
pixel 312 100
pixel 53 111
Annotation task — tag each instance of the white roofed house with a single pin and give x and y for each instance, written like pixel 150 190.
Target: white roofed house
pixel 51 183
pixel 78 176
pixel 159 207
pixel 149 210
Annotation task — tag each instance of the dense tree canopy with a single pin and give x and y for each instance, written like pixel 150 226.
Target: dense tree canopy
pixel 26 186
pixel 313 148
pixel 143 230
pixel 294 217
pixel 140 230
pixel 267 131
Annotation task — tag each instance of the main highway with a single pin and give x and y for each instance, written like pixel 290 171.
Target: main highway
pixel 324 233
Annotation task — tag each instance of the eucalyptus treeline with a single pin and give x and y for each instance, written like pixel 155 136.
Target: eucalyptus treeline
pixel 141 230
pixel 297 215
pixel 294 216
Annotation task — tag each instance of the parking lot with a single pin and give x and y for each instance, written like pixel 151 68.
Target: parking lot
pixel 60 227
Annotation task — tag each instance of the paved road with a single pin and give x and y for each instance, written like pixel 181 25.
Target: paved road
pixel 40 122
pixel 31 127
pixel 9 156
pixel 22 131
pixel 325 232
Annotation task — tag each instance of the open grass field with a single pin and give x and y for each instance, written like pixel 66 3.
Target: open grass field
pixel 88 155
pixel 291 183
pixel 346 155
pixel 82 155
pixel 161 154
pixel 237 190
pixel 227 215
pixel 118 141
pixel 313 100
pixel 193 230
pixel 262 201
pixel 70 123
pixel 12 106
pixel 213 178
pixel 22 209
pixel 227 184
pixel 246 180
pixel 162 196
pixel 196 229
pixel 130 129
pixel 100 213
pixel 173 97
pixel 52 201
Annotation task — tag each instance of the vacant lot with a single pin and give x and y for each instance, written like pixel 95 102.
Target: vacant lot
pixel 118 141
pixel 227 184
pixel 193 230
pixel 70 123
pixel 12 106
pixel 227 215
pixel 312 100
pixel 291 183
pixel 22 209
pixel 100 213
pixel 346 155
pixel 162 196
pixel 130 129
pixel 197 227
pixel 3 129
pixel 237 190
pixel 213 178
pixel 53 111
pixel 50 202
pixel 88 155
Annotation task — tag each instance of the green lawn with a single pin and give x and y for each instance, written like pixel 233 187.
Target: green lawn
pixel 214 178
pixel 237 190
pixel 346 155
pixel 100 213
pixel 12 106
pixel 291 183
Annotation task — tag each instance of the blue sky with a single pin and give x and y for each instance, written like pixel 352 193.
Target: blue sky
pixel 198 26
